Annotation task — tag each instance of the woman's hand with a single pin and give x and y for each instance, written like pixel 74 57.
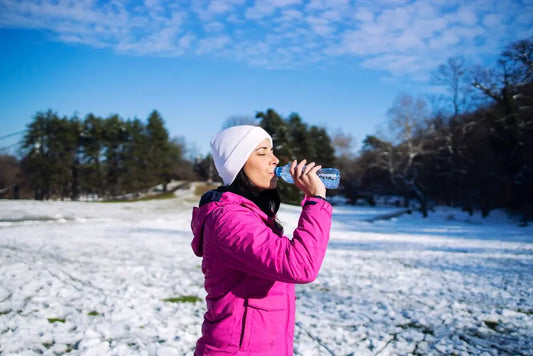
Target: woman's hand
pixel 306 180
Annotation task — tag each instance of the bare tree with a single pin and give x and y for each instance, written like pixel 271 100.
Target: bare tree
pixel 407 116
pixel 514 70
pixel 454 77
pixel 520 57
pixel 343 144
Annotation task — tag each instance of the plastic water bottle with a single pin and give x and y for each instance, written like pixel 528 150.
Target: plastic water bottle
pixel 329 176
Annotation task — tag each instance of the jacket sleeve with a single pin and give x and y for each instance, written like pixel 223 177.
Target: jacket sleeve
pixel 249 245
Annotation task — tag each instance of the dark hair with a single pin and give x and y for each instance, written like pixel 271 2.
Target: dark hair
pixel 267 200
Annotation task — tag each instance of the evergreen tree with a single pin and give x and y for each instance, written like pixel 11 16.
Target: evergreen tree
pixel 115 136
pixel 51 143
pixel 302 143
pixel 280 132
pixel 71 137
pixel 92 148
pixel 323 152
pixel 65 157
pixel 9 177
pixel 159 153
pixel 137 174
pixel 35 162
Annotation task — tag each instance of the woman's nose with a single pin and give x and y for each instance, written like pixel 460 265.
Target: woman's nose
pixel 275 159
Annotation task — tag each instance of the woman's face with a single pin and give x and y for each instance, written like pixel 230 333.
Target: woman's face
pixel 259 167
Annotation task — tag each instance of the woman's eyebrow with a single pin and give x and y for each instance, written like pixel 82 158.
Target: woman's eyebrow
pixel 262 148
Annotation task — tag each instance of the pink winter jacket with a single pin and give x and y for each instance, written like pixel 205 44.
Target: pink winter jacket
pixel 250 270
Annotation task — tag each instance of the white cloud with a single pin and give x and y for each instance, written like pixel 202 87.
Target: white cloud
pixel 319 25
pixel 465 15
pixel 281 3
pixel 262 8
pixel 444 40
pixel 215 26
pixel 259 10
pixel 186 40
pixel 395 18
pixel 328 4
pixel 401 37
pixel 290 15
pixel 154 6
pixel 492 21
pixel 316 4
pixel 220 6
pixel 208 10
pixel 364 14
pixel 212 44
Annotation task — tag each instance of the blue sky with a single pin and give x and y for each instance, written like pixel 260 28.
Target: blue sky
pixel 338 63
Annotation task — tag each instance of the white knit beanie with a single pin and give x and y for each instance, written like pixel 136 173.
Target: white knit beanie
pixel 232 147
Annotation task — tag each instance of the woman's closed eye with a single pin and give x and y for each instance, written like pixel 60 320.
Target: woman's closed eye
pixel 262 151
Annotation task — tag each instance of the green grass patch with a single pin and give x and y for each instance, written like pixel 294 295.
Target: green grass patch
pixel 183 299
pixel 93 313
pixel 161 196
pixel 56 320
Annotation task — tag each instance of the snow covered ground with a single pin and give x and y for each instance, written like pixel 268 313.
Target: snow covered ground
pixel 121 279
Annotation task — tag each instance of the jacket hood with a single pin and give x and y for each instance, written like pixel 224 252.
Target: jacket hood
pixel 208 203
pixel 199 215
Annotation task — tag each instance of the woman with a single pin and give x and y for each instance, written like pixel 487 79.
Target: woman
pixel 250 268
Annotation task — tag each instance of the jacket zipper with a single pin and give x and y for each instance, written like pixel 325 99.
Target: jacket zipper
pixel 243 321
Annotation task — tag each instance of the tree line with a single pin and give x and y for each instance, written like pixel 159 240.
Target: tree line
pixel 69 158
pixel 470 148
pixel 474 151
pixel 105 157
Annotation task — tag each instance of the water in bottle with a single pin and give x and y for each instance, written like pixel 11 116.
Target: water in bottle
pixel 329 176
